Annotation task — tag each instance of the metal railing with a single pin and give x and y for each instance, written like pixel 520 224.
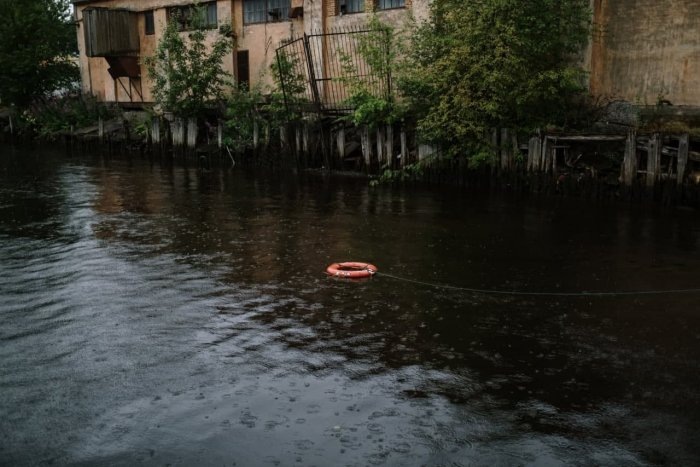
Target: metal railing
pixel 317 72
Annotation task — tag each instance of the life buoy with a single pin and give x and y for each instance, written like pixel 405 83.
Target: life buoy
pixel 351 270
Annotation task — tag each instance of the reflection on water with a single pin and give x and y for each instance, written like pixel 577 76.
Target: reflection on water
pixel 160 315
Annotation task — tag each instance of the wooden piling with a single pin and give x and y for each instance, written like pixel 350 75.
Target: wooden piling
pixel 297 139
pixel 380 146
pixel 100 129
pixel 177 128
pixel 683 145
pixel 544 156
pixel 629 162
pixel 654 160
pixel 340 143
pixel 404 147
pixel 533 152
pixel 504 149
pixel 389 145
pixel 366 146
pixel 283 137
pixel 256 134
pixel 192 133
pixel 155 131
pixel 306 145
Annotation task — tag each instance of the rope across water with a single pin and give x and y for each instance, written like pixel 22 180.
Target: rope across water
pixel 542 294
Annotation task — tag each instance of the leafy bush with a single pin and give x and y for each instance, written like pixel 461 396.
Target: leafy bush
pixel 187 74
pixel 53 117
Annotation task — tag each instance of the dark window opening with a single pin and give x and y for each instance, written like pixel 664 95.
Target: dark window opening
pixel 243 69
pixel 150 23
pixel 351 6
pixel 265 11
pixel 185 16
pixel 389 4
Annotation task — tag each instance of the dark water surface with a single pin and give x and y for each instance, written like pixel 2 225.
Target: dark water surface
pixel 157 315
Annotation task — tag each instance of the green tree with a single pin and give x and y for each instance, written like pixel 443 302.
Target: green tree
pixel 486 64
pixel 37 40
pixel 370 96
pixel 186 72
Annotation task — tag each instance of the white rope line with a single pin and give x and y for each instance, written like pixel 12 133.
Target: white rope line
pixel 542 294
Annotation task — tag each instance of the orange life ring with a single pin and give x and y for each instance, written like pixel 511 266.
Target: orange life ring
pixel 351 270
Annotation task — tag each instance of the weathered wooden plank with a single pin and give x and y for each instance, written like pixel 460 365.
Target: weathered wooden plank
pixel 389 145
pixel 177 129
pixel 544 158
pixel 682 163
pixel 504 149
pixel 192 133
pixel 404 147
pixel 366 145
pixel 534 153
pixel 340 143
pixel 592 138
pixel 629 163
pixel 653 160
pixel 155 130
pixel 380 145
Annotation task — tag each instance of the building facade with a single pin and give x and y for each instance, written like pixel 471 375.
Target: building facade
pixel 641 50
pixel 114 36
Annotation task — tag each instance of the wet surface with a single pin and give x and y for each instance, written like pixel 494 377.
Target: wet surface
pixel 162 316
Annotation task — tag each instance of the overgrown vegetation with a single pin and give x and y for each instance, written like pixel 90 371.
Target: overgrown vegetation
pixel 269 106
pixel 37 46
pixel 53 117
pixel 486 64
pixel 188 78
pixel 370 94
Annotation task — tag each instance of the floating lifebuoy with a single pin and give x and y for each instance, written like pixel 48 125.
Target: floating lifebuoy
pixel 351 270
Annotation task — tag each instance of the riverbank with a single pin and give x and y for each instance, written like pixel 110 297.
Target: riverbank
pixel 658 162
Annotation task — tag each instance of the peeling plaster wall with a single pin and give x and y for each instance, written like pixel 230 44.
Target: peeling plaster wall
pixel 642 50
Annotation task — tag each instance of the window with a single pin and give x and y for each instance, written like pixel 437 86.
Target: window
pixel 351 6
pixel 265 11
pixel 389 4
pixel 150 23
pixel 243 69
pixel 185 15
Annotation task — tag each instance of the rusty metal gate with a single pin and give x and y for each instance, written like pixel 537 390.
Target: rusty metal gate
pixel 317 71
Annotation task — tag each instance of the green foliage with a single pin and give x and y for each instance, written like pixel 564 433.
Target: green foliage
pixel 264 105
pixel 487 64
pixel 370 96
pixel 241 115
pixel 288 95
pixel 55 116
pixel 186 72
pixel 410 172
pixel 37 40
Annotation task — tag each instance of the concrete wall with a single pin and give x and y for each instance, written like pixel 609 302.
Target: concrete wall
pixel 646 49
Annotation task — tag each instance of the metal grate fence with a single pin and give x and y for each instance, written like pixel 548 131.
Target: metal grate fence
pixel 318 71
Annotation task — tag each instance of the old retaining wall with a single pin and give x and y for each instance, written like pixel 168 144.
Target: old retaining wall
pixel 643 50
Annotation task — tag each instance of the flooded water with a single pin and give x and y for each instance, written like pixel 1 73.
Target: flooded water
pixel 165 316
